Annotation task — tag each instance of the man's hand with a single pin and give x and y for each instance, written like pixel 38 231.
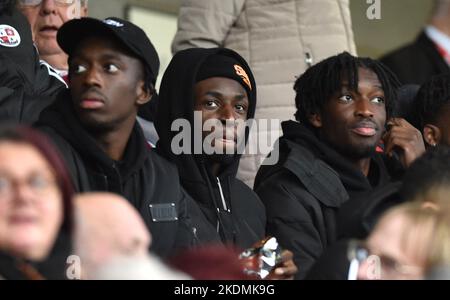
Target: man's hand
pixel 402 135
pixel 287 268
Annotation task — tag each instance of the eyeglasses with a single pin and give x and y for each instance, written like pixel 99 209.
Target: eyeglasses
pixel 38 2
pixel 382 266
pixel 38 184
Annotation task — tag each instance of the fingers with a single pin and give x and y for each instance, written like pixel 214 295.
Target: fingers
pixel 287 255
pixel 398 135
pixel 287 269
pixel 406 137
pixel 399 122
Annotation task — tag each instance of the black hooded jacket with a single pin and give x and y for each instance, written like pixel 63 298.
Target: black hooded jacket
pixel 26 86
pixel 226 202
pixel 304 190
pixel 147 180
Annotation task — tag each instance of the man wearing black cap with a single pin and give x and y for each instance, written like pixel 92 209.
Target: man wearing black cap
pixel 112 69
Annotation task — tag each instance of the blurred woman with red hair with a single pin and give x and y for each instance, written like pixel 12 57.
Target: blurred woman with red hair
pixel 35 206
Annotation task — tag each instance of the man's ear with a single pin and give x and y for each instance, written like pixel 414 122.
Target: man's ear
pixel 143 93
pixel 84 10
pixel 431 134
pixel 315 120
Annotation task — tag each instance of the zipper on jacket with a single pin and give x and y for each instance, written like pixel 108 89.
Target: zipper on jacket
pixel 221 196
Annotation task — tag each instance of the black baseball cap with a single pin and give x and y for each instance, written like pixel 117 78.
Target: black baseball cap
pixel 133 38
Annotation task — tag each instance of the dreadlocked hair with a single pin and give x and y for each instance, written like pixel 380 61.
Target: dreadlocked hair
pixel 433 95
pixel 317 84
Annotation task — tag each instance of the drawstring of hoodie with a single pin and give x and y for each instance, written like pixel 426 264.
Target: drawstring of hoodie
pixel 222 197
pixel 220 227
pixel 229 188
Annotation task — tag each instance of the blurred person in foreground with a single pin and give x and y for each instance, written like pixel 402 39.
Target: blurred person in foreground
pixel 398 246
pixel 411 241
pixel 35 207
pixel 112 240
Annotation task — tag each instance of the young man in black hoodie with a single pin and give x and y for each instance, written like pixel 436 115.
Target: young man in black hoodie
pixel 329 156
pixel 211 179
pixel 112 70
pixel 218 84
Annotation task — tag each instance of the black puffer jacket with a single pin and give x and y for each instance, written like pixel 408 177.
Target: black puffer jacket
pixel 304 190
pixel 147 180
pixel 226 202
pixel 26 86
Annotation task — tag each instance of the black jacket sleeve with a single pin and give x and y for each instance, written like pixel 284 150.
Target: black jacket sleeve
pixel 20 100
pixel 289 208
pixel 186 235
pixel 26 85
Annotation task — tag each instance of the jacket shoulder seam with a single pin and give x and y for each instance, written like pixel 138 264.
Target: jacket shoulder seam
pixel 317 177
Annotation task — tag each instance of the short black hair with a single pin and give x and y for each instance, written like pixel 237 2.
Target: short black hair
pixel 404 106
pixel 148 79
pixel 316 86
pixel 433 95
pixel 430 170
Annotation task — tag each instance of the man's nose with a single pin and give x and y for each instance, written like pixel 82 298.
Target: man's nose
pixel 22 194
pixel 227 113
pixel 92 77
pixel 48 7
pixel 363 108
